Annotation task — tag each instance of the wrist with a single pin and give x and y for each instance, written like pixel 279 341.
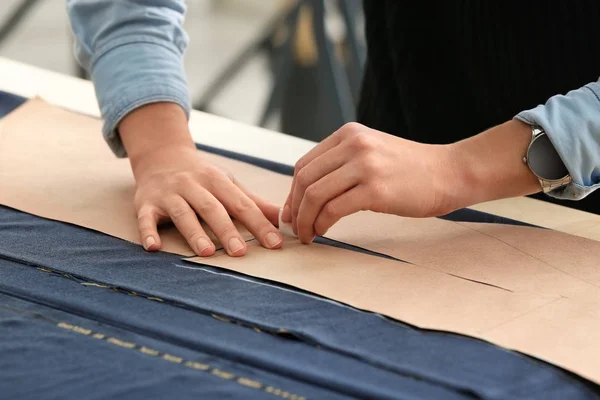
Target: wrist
pixel 454 179
pixel 153 128
pixel 489 166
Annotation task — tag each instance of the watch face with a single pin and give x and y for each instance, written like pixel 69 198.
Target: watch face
pixel 544 161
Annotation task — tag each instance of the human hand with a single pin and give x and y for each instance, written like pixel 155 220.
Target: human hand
pixel 358 168
pixel 175 183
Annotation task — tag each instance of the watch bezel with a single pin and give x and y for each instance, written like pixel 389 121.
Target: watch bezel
pixel 547 184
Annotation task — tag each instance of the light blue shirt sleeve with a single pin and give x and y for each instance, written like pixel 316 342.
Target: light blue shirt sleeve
pixel 572 122
pixel 133 50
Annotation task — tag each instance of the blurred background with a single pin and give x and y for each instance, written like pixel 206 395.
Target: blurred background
pixel 290 65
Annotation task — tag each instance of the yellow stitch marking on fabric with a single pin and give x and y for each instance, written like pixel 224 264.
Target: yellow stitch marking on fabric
pixel 197 365
pixel 155 299
pixel 222 374
pixel 44 269
pixel 171 358
pixel 249 383
pixel 64 325
pixel 223 319
pixel 81 330
pixel 191 364
pixel 150 352
pixel 95 284
pixel 115 341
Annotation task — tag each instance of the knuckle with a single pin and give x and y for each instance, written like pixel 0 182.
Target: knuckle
pixel 303 178
pixel 180 211
pixel 243 205
pixel 205 207
pixel 263 228
pixel 330 211
pixel 226 232
pixel 145 211
pixel 301 163
pixel 194 235
pixel 312 193
pixel 208 174
pixel 362 142
pixel 349 128
pixel 181 179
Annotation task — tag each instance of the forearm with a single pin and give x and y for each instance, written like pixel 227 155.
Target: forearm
pixel 490 166
pixel 134 52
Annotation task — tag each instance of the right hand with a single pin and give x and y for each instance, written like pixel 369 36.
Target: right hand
pixel 175 183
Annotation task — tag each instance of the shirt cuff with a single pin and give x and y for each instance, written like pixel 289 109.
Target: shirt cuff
pixel 572 123
pixel 133 74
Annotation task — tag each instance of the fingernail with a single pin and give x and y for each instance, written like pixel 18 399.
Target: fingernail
pixel 201 245
pixel 149 242
pixel 273 239
pixel 235 245
pixel 287 215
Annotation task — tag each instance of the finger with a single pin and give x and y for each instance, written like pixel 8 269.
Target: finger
pixel 270 210
pixel 286 216
pixel 245 210
pixel 312 172
pixel 186 221
pixel 147 227
pixel 320 193
pixel 350 202
pixel 215 215
pixel 327 144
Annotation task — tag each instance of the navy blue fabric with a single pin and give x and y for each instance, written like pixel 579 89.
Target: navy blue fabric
pixel 295 360
pixel 440 359
pixel 38 347
pixel 305 339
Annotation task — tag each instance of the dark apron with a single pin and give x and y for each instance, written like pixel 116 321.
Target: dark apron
pixel 439 72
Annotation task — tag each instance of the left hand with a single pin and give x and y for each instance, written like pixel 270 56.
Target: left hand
pixel 358 168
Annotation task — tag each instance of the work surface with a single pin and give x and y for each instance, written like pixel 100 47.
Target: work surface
pixel 154 325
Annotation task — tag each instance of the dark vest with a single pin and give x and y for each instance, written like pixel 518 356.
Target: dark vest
pixel 441 71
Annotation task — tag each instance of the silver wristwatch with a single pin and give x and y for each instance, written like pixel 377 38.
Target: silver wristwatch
pixel 544 161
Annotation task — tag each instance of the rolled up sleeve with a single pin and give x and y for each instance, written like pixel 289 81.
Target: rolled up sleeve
pixel 133 50
pixel 572 122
